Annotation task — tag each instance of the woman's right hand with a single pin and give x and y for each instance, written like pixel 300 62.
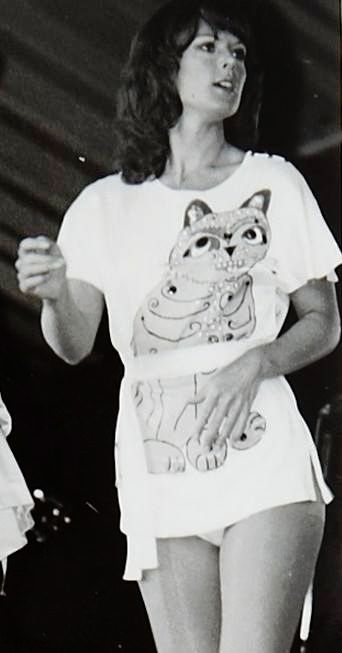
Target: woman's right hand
pixel 41 268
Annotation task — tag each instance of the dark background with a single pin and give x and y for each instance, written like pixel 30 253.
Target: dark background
pixel 60 62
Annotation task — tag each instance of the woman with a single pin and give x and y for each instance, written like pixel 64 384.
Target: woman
pixel 197 248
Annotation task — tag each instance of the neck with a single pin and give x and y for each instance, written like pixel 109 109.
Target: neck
pixel 194 146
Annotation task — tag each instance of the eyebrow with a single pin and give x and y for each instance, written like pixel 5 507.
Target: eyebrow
pixel 204 36
pixel 215 37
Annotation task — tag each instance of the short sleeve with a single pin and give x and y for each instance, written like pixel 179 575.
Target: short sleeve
pixel 81 238
pixel 303 245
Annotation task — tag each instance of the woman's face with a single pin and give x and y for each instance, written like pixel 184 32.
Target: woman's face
pixel 212 74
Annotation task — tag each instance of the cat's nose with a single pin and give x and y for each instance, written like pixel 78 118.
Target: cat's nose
pixel 230 250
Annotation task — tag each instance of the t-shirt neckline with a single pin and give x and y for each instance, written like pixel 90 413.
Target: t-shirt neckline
pixel 227 180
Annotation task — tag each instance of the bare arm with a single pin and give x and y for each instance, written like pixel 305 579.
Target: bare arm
pixel 72 309
pixel 70 323
pixel 314 335
pixel 232 391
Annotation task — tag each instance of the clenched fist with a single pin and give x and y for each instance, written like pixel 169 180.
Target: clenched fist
pixel 40 268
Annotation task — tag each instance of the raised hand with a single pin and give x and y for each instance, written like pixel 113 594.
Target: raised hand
pixel 40 268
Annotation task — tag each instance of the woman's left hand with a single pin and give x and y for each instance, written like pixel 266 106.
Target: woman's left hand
pixel 226 401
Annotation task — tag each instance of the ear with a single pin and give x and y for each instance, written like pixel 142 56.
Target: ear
pixel 259 200
pixel 195 211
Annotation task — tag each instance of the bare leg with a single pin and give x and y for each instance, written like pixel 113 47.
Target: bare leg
pixel 267 562
pixel 182 596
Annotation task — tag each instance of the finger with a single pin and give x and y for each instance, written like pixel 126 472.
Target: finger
pixel 34 262
pixel 223 432
pixel 32 284
pixel 214 424
pixel 38 243
pixel 237 432
pixel 25 280
pixel 33 255
pixel 220 415
pixel 220 453
pixel 207 411
pixel 236 417
pixel 231 421
pixel 203 427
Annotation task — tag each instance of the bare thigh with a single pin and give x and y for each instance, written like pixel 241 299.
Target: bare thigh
pixel 182 596
pixel 267 562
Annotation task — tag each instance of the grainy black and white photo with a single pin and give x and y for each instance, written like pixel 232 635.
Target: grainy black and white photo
pixel 170 378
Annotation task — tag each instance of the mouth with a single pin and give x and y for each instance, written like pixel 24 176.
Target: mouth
pixel 226 84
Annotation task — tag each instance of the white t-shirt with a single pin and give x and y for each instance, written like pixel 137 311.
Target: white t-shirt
pixel 191 280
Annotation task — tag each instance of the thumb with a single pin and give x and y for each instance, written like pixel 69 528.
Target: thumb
pixel 50 246
pixel 55 249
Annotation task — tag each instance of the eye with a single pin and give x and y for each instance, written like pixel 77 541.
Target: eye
pixel 254 236
pixel 201 245
pixel 207 46
pixel 239 52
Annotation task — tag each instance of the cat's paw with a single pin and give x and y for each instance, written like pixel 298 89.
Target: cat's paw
pixel 205 460
pixel 254 430
pixel 163 457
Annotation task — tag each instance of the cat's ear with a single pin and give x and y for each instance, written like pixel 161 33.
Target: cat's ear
pixel 259 200
pixel 195 211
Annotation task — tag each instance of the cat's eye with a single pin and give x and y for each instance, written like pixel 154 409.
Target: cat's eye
pixel 201 245
pixel 202 242
pixel 254 236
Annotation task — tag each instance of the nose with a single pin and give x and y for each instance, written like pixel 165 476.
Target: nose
pixel 230 250
pixel 226 60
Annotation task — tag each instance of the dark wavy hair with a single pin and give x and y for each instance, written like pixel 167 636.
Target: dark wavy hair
pixel 148 104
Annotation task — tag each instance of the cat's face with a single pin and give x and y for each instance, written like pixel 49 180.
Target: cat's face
pixel 214 246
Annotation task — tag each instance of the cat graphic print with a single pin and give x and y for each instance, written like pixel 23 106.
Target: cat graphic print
pixel 206 296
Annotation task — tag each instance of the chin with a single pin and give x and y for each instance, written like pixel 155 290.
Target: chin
pixel 224 113
pixel 223 110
